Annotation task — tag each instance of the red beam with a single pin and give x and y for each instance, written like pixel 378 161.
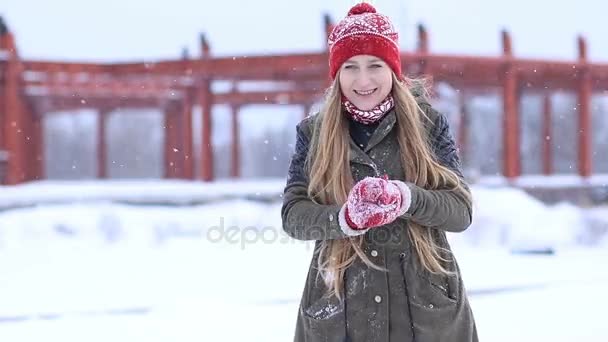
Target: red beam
pixel 107 82
pixel 483 71
pixel 110 90
pixel 217 68
pixel 67 67
pixel 268 97
pixel 62 103
pixel 478 71
pixel 56 86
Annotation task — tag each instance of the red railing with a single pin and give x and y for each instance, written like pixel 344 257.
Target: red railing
pixel 29 89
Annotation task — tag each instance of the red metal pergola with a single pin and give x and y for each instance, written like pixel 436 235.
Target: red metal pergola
pixel 31 88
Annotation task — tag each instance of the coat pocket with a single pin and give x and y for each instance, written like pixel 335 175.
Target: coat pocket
pixel 443 285
pixel 433 311
pixel 434 290
pixel 446 285
pixel 324 321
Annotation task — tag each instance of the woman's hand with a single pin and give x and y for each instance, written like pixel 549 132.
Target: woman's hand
pixel 374 202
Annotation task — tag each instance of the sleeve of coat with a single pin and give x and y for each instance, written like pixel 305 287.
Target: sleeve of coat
pixel 449 210
pixel 302 218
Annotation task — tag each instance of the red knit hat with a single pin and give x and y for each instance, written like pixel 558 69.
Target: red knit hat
pixel 364 32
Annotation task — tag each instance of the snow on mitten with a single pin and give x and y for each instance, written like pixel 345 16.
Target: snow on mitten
pixel 378 190
pixel 372 202
pixel 369 215
pixel 405 194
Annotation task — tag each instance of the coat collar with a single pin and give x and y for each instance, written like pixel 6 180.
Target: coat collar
pixel 361 156
pixel 384 128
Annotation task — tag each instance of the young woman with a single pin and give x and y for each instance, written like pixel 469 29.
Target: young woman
pixel 376 181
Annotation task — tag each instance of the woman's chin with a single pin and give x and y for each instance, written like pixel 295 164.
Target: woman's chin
pixel 367 105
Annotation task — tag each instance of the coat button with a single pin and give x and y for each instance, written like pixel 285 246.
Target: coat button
pixel 374 253
pixel 378 299
pixel 402 256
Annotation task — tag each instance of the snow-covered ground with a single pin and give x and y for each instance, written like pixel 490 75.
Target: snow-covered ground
pixel 97 270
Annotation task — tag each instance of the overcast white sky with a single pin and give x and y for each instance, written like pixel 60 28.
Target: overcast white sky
pixel 118 30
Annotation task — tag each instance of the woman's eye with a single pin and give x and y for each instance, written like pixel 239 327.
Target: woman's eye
pixel 349 67
pixel 376 66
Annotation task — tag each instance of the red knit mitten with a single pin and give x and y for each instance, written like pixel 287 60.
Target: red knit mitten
pixel 372 202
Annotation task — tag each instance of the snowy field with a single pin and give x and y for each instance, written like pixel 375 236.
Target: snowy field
pixel 97 270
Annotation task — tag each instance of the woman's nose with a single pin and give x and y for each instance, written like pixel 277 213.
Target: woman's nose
pixel 363 79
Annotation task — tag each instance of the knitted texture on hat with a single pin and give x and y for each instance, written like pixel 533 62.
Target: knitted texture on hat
pixel 364 32
pixel 367 117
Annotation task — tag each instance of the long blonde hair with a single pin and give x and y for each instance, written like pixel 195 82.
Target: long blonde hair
pixel 331 179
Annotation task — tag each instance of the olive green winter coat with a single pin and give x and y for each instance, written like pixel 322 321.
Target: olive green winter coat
pixel 407 303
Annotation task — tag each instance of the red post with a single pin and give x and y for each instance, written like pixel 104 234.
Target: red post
pixel 2 107
pixel 206 143
pixel 423 40
pixel 584 112
pixel 329 27
pixel 3 31
pixel 206 103
pixel 235 160
pixel 33 143
pixel 3 72
pixel 463 125
pixel 507 46
pixel 26 137
pixel 187 134
pixel 15 130
pixel 423 50
pixel 173 146
pixel 582 49
pixel 38 134
pixel 511 131
pixel 102 147
pixel 547 153
pixel 188 155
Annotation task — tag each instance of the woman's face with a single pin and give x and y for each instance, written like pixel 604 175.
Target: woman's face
pixel 365 81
